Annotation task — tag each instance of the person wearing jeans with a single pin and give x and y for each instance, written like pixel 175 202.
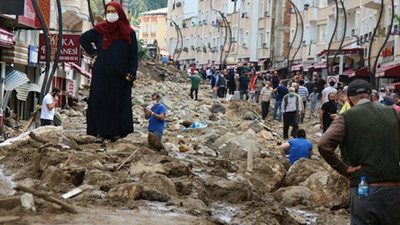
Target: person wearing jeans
pixel 280 91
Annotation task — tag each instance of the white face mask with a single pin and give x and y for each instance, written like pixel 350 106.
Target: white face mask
pixel 154 102
pixel 383 94
pixel 112 17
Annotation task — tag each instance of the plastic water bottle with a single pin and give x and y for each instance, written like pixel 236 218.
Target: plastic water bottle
pixel 363 187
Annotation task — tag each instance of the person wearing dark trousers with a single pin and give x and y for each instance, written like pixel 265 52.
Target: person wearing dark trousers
pixel 265 98
pixel 291 108
pixel 221 85
pixel 195 85
pixel 231 82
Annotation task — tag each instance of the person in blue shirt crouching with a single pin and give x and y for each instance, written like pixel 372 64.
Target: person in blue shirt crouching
pixel 156 116
pixel 299 147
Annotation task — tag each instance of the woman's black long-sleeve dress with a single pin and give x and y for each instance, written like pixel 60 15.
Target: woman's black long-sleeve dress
pixel 110 107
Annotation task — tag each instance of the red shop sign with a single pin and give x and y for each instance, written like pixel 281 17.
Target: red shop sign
pixel 29 17
pixel 70 49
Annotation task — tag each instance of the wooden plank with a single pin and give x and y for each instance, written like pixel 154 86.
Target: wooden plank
pixel 8 219
pixel 48 198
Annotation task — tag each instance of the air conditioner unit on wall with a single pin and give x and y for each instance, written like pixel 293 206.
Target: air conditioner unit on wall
pixel 267 14
pixel 244 45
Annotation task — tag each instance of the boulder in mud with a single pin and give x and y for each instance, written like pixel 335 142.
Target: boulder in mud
pixel 235 146
pixel 293 196
pixel 157 187
pixel 124 192
pixel 301 170
pixel 233 191
pixel 256 126
pixel 154 142
pixel 267 174
pixel 139 168
pixel 218 108
pixel 250 116
pixel 329 189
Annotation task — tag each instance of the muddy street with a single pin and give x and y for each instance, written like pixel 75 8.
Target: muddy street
pixel 200 176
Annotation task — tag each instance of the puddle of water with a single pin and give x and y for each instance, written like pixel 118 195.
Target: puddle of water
pixel 6 185
pixel 311 218
pixel 222 212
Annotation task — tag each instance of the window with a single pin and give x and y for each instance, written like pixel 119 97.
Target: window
pixel 322 34
pixel 267 39
pixel 261 10
pixel 240 37
pixel 248 8
pixel 260 38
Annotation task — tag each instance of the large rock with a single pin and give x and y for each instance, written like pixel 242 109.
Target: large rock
pixel 51 134
pixel 139 168
pixel 124 192
pixel 235 146
pixel 329 189
pixel 294 195
pixel 250 116
pixel 233 191
pixel 218 108
pixel 267 174
pixel 265 135
pixel 167 103
pixel 138 101
pixel 256 126
pixel 209 138
pixel 301 170
pixel 157 187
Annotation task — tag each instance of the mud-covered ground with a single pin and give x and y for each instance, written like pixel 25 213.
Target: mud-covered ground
pixel 200 177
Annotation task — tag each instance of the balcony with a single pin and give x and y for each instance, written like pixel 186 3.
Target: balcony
pixel 74 11
pixel 373 4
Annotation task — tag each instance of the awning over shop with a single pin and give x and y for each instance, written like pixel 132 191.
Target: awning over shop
pixel 261 62
pixel 363 72
pixel 393 86
pixel 297 67
pixel 308 69
pixel 81 70
pixel 388 71
pixel 341 52
pixel 347 72
pixel 6 38
pixel 320 66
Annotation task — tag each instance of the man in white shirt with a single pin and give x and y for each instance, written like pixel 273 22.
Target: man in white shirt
pixel 48 105
pixel 328 90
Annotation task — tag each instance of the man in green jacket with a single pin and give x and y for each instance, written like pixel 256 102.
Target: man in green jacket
pixel 370 135
pixel 195 85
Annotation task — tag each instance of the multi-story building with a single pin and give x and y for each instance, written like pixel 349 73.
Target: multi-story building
pixel 319 18
pixel 262 31
pixel 208 42
pixel 153 26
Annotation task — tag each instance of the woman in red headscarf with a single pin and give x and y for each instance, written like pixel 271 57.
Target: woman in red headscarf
pixel 109 113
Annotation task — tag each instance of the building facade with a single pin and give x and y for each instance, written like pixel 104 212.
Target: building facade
pixel 153 26
pixel 262 31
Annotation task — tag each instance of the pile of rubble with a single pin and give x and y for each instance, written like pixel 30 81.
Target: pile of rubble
pixel 202 175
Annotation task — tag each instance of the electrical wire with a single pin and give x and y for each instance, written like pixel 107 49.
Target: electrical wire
pixel 59 46
pixel 289 68
pixel 333 35
pixel 47 42
pixel 302 33
pixel 90 12
pixel 383 46
pixel 343 37
pixel 370 72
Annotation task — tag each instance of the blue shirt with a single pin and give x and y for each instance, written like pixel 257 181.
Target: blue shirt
pixel 299 148
pixel 388 101
pixel 282 91
pixel 154 123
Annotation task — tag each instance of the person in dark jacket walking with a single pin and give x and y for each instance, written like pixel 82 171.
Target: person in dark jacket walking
pixel 221 85
pixel 231 81
pixel 109 113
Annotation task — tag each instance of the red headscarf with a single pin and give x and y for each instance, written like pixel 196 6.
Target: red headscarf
pixel 120 29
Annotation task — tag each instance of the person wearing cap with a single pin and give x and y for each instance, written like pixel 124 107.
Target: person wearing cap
pixel 387 100
pixel 369 152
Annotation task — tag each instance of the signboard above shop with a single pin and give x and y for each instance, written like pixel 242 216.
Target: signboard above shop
pixel 70 50
pixel 13 7
pixel 29 16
